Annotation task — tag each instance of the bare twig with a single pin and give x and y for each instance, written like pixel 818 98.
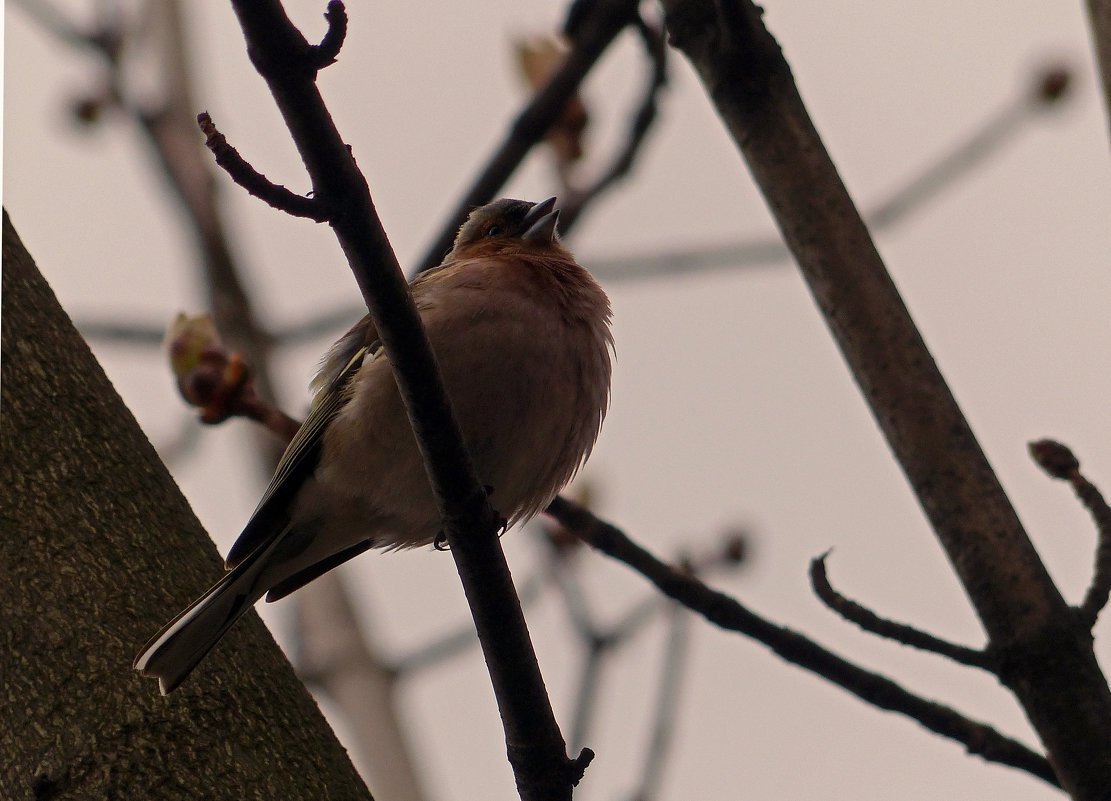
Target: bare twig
pixel 575 200
pixel 1047 88
pixel 600 640
pixel 726 612
pixel 254 181
pixel 1059 462
pixel 591 27
pixel 899 632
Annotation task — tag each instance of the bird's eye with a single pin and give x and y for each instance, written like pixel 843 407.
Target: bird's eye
pixel 493 230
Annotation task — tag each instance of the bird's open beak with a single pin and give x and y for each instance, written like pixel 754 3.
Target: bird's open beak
pixel 541 222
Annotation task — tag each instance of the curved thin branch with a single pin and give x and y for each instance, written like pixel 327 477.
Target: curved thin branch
pixel 726 612
pixel 577 200
pixel 899 632
pixel 325 53
pixel 257 184
pixel 1059 462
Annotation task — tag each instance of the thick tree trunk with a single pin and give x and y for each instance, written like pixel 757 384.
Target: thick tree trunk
pixel 97 549
pixel 1043 648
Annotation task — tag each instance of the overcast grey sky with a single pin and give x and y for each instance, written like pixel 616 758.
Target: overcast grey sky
pixel 731 405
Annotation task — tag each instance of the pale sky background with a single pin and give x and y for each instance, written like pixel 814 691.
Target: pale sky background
pixel 731 404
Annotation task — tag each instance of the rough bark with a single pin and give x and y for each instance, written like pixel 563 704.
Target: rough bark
pixel 1043 647
pixel 97 549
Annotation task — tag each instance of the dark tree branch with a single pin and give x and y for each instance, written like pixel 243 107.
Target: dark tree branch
pixel 591 27
pixel 597 640
pixel 727 613
pixel 1059 462
pixel 252 180
pixel 1045 656
pixel 899 632
pixel 534 743
pixel 575 201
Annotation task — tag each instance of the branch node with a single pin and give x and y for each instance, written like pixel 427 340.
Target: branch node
pixel 257 184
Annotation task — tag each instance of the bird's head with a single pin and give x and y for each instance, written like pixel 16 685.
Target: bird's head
pixel 507 226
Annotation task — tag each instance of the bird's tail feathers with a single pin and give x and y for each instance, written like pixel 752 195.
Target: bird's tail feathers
pixel 171 655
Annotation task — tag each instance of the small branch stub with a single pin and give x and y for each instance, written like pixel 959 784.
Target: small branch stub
pixel 257 184
pixel 325 53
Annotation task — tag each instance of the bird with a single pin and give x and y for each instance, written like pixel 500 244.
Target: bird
pixel 522 336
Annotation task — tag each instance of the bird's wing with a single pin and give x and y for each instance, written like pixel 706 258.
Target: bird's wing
pixel 271 516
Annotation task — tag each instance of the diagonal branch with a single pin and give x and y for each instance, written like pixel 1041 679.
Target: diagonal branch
pixel 577 200
pixel 288 64
pixel 899 632
pixel 1046 657
pixel 591 27
pixel 726 612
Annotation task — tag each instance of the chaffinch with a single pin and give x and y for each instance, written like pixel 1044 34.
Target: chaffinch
pixel 521 333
